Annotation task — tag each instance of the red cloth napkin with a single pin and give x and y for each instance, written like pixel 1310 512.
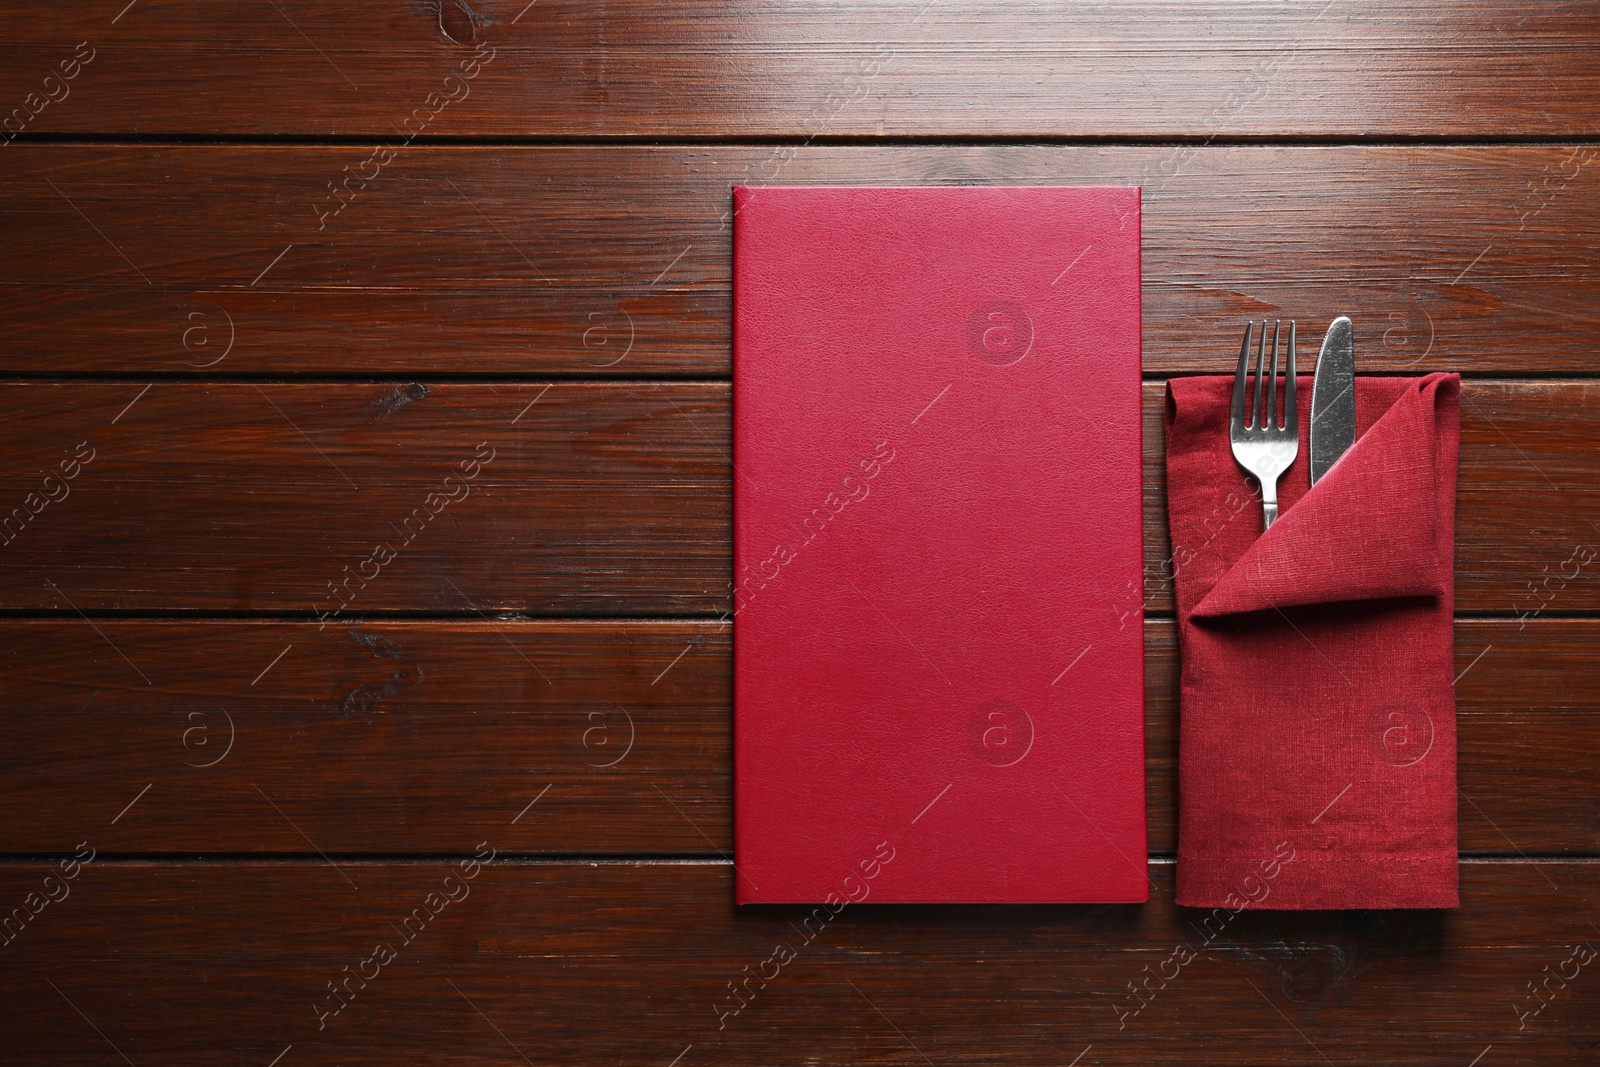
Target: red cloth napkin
pixel 1317 745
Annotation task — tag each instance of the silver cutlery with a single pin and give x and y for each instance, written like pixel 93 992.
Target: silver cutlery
pixel 1264 444
pixel 1333 398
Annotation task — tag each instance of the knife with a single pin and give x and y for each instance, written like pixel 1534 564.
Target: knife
pixel 1333 398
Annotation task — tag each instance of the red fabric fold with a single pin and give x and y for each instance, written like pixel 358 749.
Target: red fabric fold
pixel 1317 740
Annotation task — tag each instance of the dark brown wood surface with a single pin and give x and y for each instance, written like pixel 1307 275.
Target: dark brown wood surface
pixel 593 962
pixel 911 68
pixel 257 496
pixel 261 306
pixel 614 261
pixel 435 725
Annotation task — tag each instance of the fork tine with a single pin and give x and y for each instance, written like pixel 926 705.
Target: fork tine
pixel 1236 413
pixel 1263 446
pixel 1272 395
pixel 1258 400
pixel 1291 417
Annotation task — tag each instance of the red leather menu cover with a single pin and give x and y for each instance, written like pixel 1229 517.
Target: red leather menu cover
pixel 938 626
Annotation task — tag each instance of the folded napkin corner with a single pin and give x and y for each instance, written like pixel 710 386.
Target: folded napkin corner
pixel 1368 530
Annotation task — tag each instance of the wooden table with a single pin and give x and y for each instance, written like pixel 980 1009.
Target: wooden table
pixel 274 270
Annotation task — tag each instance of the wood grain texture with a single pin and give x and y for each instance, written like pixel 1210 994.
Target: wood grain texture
pixel 392 737
pixel 292 343
pixel 615 260
pixel 334 498
pixel 183 963
pixel 913 67
pixel 387 737
pixel 599 499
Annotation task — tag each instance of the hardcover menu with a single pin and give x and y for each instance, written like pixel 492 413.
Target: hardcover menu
pixel 938 625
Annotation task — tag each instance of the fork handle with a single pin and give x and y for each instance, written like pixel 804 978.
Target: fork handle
pixel 1269 502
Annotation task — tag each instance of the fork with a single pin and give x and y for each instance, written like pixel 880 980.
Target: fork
pixel 1262 444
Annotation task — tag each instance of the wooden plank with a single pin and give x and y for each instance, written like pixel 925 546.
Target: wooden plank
pixel 386 737
pixel 333 499
pixel 911 68
pixel 184 963
pixel 615 260
pixel 599 499
pixel 595 737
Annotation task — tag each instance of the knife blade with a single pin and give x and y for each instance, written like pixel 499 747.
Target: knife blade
pixel 1333 398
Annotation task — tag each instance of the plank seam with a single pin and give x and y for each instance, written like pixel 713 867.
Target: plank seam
pixel 174 138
